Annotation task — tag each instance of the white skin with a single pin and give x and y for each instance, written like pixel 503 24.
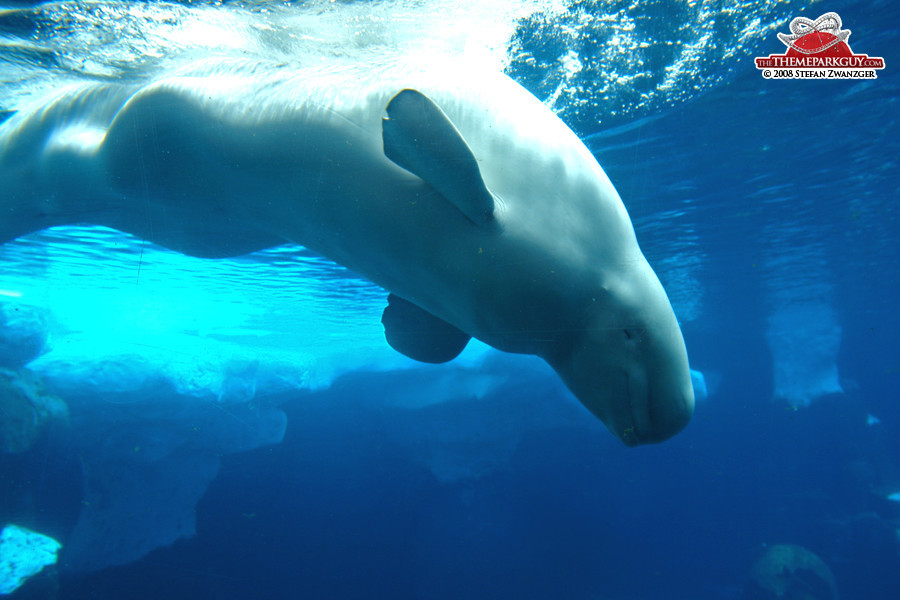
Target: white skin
pixel 227 158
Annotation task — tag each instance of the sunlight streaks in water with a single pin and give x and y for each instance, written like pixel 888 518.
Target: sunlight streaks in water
pixel 594 62
pixel 58 43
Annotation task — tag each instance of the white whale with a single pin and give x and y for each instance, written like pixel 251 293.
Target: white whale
pixel 451 187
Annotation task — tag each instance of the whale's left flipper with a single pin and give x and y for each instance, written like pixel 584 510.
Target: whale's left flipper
pixel 419 137
pixel 420 335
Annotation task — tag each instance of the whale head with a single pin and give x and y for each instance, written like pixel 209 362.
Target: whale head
pixel 626 361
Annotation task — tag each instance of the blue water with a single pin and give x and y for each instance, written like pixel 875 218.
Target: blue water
pixel 768 209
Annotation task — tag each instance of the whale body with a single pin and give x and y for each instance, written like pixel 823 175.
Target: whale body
pixel 451 187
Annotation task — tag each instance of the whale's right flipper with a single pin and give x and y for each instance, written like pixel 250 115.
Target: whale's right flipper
pixel 418 334
pixel 419 137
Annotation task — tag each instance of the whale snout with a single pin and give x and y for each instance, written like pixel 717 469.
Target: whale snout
pixel 665 414
pixel 660 396
pixel 638 385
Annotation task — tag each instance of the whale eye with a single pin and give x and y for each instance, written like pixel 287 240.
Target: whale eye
pixel 633 334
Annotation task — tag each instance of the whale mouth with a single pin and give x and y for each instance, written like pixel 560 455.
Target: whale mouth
pixel 657 421
pixel 631 435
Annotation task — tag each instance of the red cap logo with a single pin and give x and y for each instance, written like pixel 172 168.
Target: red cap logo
pixel 818 50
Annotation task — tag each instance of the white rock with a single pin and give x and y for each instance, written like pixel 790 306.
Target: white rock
pixel 23 553
pixel 24 330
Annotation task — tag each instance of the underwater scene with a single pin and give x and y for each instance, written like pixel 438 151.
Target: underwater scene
pixel 421 299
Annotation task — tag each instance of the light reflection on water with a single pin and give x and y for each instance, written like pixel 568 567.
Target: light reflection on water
pixel 98 279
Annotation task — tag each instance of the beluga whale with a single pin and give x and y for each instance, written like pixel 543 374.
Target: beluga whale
pixel 479 212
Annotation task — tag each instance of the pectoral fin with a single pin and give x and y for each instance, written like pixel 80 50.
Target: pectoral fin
pixel 419 137
pixel 418 334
